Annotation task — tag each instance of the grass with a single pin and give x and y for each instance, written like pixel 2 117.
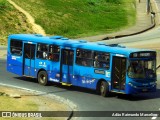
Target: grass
pixel 27 102
pixel 11 21
pixel 9 104
pixel 79 18
pixel 12 104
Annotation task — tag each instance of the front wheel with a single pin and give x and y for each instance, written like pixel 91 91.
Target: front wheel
pixel 104 89
pixel 42 78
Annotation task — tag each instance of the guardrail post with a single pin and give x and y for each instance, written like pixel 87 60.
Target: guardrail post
pixel 148 6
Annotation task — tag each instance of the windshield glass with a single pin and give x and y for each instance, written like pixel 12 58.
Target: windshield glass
pixel 142 69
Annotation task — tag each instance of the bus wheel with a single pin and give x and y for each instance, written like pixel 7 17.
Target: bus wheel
pixel 104 89
pixel 42 78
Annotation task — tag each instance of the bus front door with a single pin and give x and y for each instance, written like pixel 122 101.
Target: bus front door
pixel 66 70
pixel 118 73
pixel 29 59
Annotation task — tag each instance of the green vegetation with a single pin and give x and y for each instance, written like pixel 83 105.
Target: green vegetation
pixel 79 18
pixel 11 21
pixel 12 104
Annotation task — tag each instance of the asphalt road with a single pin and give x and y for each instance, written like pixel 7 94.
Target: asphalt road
pixel 87 100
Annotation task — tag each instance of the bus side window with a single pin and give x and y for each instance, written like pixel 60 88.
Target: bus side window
pixel 16 47
pixel 96 62
pixel 54 52
pixel 101 60
pixel 84 57
pixel 42 51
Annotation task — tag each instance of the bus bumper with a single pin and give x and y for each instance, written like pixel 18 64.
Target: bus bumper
pixel 134 89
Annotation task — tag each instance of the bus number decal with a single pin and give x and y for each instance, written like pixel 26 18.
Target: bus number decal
pixel 14 57
pixel 42 64
pixel 99 72
pixel 108 74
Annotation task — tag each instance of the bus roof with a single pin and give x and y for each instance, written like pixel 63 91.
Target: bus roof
pixel 59 40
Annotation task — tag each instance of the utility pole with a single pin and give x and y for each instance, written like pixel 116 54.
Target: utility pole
pixel 148 6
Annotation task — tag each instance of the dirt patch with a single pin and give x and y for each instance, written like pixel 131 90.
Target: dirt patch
pixel 12 22
pixel 28 101
pixel 36 28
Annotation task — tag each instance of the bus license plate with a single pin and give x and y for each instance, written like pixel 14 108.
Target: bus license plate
pixel 144 90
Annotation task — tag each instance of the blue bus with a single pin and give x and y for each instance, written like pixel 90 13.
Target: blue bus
pixel 93 65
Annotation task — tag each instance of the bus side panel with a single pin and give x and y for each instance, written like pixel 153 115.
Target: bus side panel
pixel 87 76
pixel 52 68
pixel 54 71
pixel 40 64
pixel 84 77
pixel 14 64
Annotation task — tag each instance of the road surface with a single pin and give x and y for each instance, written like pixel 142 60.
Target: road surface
pixel 87 100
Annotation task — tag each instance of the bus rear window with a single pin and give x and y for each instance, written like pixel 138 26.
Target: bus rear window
pixel 16 47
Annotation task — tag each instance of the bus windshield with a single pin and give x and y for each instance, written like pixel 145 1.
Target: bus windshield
pixel 142 69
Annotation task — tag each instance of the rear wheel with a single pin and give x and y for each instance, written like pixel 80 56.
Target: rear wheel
pixel 104 89
pixel 42 78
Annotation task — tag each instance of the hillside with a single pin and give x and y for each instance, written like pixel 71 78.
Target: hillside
pixel 79 18
pixel 11 21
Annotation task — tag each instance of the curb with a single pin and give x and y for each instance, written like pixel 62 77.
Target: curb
pixel 67 102
pixel 120 36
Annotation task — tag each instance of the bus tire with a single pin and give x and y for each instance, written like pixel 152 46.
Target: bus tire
pixel 104 89
pixel 42 78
